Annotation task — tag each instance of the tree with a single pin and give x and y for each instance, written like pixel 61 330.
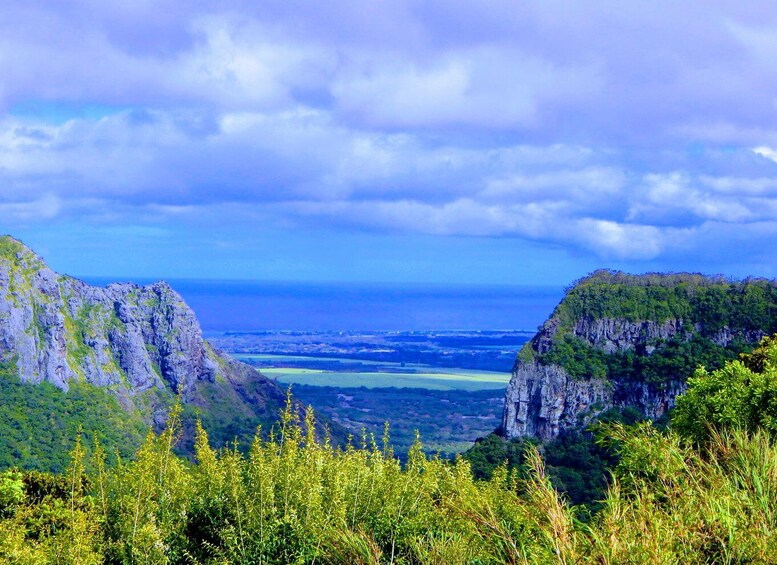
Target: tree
pixel 740 395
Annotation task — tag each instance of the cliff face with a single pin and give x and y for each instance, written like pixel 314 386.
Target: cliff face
pixel 141 342
pixel 544 399
pixel 541 401
pixel 56 328
pixel 609 334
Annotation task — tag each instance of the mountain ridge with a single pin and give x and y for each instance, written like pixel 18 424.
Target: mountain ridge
pixel 617 340
pixel 143 344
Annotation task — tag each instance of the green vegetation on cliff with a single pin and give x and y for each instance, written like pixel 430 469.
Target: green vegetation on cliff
pixel 672 359
pixel 712 302
pixel 39 423
pixel 14 250
pixel 703 306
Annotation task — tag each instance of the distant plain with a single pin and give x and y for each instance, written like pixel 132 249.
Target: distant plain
pixel 365 379
pixel 384 375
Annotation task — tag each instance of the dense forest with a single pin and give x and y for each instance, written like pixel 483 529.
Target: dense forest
pixel 40 422
pixel 701 491
pixel 712 302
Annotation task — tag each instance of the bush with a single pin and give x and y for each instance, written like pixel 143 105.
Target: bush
pixel 741 395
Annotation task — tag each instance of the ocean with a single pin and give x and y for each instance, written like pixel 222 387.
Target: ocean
pixel 296 306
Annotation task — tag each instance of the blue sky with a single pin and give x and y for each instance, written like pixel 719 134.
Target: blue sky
pixel 484 142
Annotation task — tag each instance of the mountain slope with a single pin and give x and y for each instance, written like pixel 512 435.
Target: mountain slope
pixel 619 340
pixel 142 344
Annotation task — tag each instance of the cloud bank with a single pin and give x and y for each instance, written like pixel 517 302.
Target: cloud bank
pixel 629 132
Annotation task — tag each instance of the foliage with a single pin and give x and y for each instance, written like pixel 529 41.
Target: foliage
pixel 578 466
pixel 221 415
pixel 39 423
pixel 52 525
pixel 291 500
pixel 492 452
pixel 743 394
pixel 671 503
pixel 11 490
pixel 577 357
pixel 712 302
pixel 671 360
pixel 294 499
pixel 297 499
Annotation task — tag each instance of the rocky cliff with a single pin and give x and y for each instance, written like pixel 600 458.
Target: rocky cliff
pixel 143 343
pixel 619 341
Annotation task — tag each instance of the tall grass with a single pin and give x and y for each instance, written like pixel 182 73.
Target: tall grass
pixel 296 499
pixel 670 503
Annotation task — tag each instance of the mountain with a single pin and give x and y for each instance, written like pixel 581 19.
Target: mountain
pixel 627 341
pixel 139 344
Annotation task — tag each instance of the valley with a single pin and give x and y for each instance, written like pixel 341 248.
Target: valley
pixel 447 385
pixel 87 371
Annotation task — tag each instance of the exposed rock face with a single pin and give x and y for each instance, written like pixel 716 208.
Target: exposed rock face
pixel 612 335
pixel 543 400
pixel 142 342
pixel 57 328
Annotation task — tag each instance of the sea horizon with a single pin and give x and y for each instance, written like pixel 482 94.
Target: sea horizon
pixel 253 305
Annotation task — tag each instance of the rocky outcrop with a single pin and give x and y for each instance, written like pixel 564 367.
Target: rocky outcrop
pixel 612 335
pixel 55 328
pixel 141 342
pixel 543 400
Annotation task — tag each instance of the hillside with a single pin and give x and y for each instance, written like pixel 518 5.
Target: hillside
pixel 618 340
pixel 127 349
pixel 699 492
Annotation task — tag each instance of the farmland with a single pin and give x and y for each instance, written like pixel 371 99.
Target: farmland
pixel 447 385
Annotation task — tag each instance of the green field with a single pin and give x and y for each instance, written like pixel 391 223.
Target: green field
pixel 442 379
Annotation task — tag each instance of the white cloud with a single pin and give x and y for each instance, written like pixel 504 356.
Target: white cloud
pixel 295 167
pixel 767 152
pixel 678 197
pixel 482 87
pixel 587 187
pixel 622 241
pixel 626 132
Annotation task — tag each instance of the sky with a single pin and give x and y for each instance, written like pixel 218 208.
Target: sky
pixel 488 142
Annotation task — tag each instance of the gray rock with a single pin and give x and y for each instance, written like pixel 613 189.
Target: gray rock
pixel 543 401
pixel 132 338
pixel 613 335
